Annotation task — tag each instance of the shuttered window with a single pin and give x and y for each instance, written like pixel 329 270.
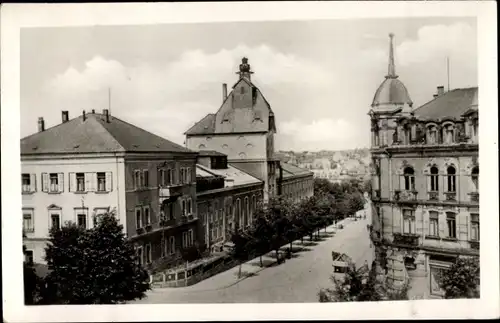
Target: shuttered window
pixel 28 183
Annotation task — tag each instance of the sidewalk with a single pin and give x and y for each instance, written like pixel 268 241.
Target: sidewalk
pixel 252 267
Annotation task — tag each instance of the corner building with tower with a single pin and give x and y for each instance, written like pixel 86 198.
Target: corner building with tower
pixel 425 180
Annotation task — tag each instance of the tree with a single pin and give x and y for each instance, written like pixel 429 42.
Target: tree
pixel 94 266
pixel 240 249
pixel 462 279
pixel 31 281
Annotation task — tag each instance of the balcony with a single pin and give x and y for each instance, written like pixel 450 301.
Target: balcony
pixel 405 195
pixel 407 239
pixel 433 196
pixel 167 192
pixel 451 196
pixel 474 197
pixel 474 245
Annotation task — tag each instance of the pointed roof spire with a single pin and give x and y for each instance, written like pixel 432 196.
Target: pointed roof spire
pixel 392 67
pixel 245 70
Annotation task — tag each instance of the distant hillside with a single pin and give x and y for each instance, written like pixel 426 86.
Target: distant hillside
pixel 333 165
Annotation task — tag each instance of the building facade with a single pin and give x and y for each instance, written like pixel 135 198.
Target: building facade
pixel 425 179
pixel 244 129
pixel 227 199
pixel 96 163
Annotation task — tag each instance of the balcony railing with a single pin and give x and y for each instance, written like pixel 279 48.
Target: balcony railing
pixel 474 197
pixel 474 245
pixel 433 196
pixel 451 196
pixel 405 195
pixel 406 239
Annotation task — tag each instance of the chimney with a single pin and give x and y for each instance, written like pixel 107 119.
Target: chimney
pixel 435 96
pixel 65 116
pixel 41 124
pixel 440 90
pixel 106 114
pixel 84 116
pixel 224 91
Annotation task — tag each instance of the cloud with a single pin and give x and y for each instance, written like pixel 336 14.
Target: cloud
pixel 168 99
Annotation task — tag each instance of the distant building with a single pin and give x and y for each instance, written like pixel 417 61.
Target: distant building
pixel 95 163
pixel 243 128
pixel 425 179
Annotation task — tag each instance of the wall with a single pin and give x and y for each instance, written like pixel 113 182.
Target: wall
pixel 235 146
pixel 296 188
pixel 40 201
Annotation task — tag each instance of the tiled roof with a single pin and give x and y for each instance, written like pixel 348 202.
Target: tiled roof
pixel 233 174
pixel 290 170
pixel 205 153
pixel 95 135
pixel 204 126
pixel 450 104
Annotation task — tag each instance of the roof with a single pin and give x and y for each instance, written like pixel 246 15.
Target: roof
pixel 207 153
pixel 95 135
pixel 290 170
pixel 450 104
pixel 230 174
pixel 204 126
pixel 391 91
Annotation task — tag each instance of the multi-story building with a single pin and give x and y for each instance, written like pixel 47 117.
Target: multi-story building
pixel 227 198
pixel 425 181
pixel 243 129
pixel 95 163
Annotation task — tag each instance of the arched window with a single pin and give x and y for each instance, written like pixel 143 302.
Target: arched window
pixel 451 179
pixel 431 135
pixel 434 178
pixel 409 179
pixel 247 211
pixel 448 134
pixel 475 177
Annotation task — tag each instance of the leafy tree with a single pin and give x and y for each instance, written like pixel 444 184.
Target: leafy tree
pixel 31 281
pixel 462 279
pixel 190 254
pixel 241 248
pixel 260 235
pixel 277 218
pixel 95 266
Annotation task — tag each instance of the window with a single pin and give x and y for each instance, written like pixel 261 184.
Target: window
pixel 448 134
pixel 433 223
pixel 190 206
pixel 138 218
pixel 188 175
pixel 451 179
pixel 409 179
pixel 101 182
pixel 148 253
pixel 81 220
pixel 28 183
pixel 139 255
pixel 55 221
pixel 474 227
pixel 28 256
pixel 169 177
pixel 475 177
pixel 452 226
pixel 474 128
pixel 409 221
pixel 182 175
pixel 80 182
pixel 28 222
pixel 164 247
pixel 171 245
pixel 137 179
pixel 183 207
pixel 147 215
pixel 247 210
pixel 145 175
pixel 434 178
pixel 407 134
pixel 432 135
pixel 187 238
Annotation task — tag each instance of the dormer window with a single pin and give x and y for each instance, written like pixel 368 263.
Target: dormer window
pixel 448 134
pixel 432 135
pixel 407 134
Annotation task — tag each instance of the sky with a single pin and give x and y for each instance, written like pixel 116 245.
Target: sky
pixel 319 76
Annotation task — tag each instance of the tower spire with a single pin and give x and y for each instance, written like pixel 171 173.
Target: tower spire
pixel 245 70
pixel 391 73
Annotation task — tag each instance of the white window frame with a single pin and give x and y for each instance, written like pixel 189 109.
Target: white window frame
pixel 474 223
pixel 31 187
pixel 410 220
pixel 436 220
pixel 451 180
pixel 31 213
pixel 54 213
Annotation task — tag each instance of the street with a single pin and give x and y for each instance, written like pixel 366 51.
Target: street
pixel 297 280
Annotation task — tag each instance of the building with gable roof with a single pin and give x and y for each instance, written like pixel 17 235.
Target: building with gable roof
pixel 425 179
pixel 95 163
pixel 243 129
